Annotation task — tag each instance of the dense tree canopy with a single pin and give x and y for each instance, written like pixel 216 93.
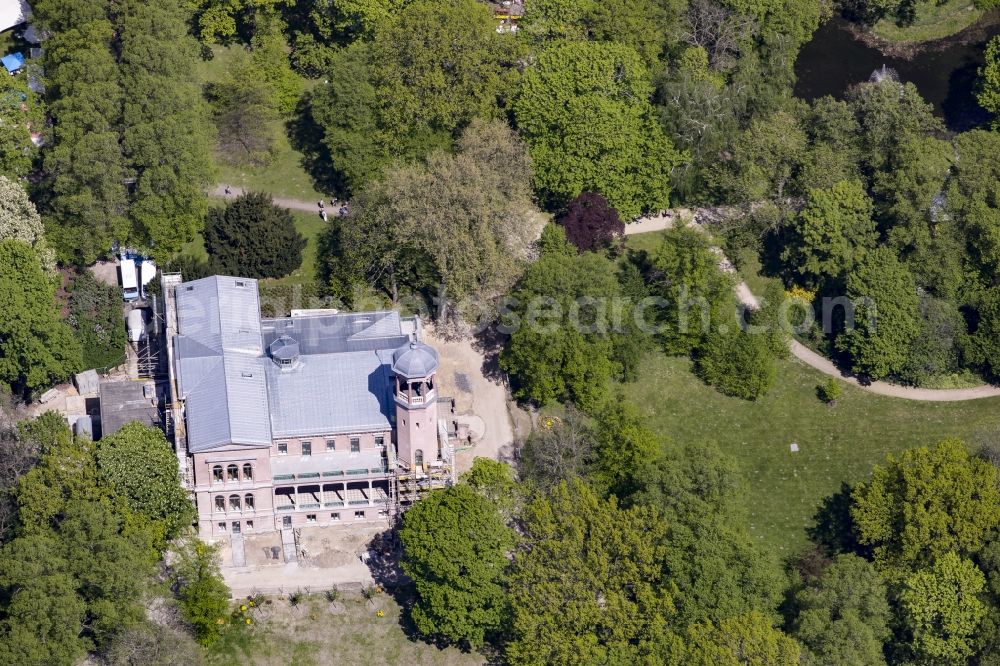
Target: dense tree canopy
pixel 139 464
pixel 886 315
pixel 698 295
pixel 457 227
pixel 989 79
pixel 571 330
pixel 401 96
pixel 925 503
pixel 843 617
pixel 583 109
pixel 37 348
pixel 130 153
pixel 832 234
pixel 942 610
pixel 456 546
pixel 591 588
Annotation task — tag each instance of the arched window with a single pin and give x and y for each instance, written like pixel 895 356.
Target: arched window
pixel 418 458
pixel 232 473
pixel 220 503
pixel 234 502
pixel 248 502
pixel 217 473
pixel 248 472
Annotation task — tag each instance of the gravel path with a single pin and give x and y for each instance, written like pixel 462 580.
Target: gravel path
pixel 295 204
pixel 803 353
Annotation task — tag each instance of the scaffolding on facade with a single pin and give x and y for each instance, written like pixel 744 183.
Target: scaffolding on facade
pixel 173 408
pixel 409 485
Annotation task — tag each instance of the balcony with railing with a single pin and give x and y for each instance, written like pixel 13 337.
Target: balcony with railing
pixel 408 399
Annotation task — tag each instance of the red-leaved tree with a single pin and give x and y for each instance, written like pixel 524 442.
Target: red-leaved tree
pixel 591 223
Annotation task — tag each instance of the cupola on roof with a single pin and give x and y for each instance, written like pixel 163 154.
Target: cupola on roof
pixel 415 361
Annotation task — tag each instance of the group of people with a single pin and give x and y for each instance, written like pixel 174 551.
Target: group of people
pixel 343 210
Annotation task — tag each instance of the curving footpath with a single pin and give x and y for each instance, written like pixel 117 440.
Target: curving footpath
pixel 746 297
pixel 803 353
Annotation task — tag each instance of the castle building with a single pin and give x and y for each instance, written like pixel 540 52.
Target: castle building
pixel 320 418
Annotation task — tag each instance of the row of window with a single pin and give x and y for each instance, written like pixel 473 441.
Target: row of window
pixel 232 473
pixel 287 521
pixel 235 503
pixel 331 445
pixel 236 526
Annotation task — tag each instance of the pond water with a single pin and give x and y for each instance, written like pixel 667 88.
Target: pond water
pixel 945 75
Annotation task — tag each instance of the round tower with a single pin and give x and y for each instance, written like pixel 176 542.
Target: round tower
pixel 414 366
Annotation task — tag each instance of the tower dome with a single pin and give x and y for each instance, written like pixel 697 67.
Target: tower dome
pixel 415 361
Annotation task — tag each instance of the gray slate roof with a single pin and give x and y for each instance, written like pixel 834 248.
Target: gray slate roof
pixel 235 394
pixel 220 367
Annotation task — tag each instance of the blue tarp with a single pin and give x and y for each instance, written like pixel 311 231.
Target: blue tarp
pixel 13 61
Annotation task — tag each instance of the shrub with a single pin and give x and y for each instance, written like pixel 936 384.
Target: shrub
pixel 830 391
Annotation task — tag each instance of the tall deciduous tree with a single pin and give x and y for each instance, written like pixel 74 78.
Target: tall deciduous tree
pixel 889 112
pixel 591 588
pixel 643 25
pixel 252 237
pixel 988 94
pixel 698 295
pixel 574 331
pixel 459 226
pixel 925 503
pixel 590 223
pixel 164 136
pixel 125 168
pixel 139 464
pixel 201 591
pixel 718 571
pixel 19 220
pixel 886 315
pixel 737 362
pixel 455 546
pixel 37 348
pixel 765 159
pixel 744 640
pixel 406 94
pixel 559 450
pixel 843 616
pixel 942 610
pixel 584 110
pixel 832 234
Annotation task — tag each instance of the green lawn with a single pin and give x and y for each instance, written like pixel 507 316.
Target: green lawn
pixel 316 633
pixel 836 444
pixel 284 175
pixel 933 21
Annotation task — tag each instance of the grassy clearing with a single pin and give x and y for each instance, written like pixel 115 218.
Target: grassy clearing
pixel 933 21
pixel 284 176
pixel 836 444
pixel 317 632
